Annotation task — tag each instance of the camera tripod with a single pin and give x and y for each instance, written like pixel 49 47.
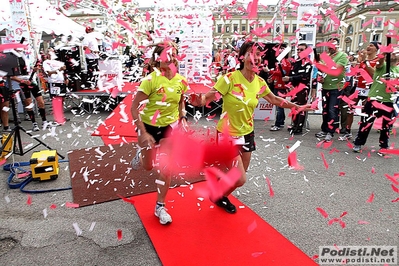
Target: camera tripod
pixel 17 147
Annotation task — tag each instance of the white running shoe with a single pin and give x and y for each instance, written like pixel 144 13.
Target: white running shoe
pixel 163 215
pixel 35 127
pixel 46 125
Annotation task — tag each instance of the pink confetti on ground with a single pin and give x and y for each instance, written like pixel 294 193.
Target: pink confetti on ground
pixel 371 198
pixel 53 206
pixel 271 192
pixel 119 234
pixel 29 200
pixel 71 205
pixel 324 160
pixel 293 162
pixel 322 212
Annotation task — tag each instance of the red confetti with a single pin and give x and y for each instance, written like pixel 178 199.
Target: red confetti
pixel 372 170
pixel 53 206
pixel 293 162
pixel 219 182
pixel 324 160
pixel 322 212
pixel 271 192
pixel 29 200
pixel 9 46
pixel 342 174
pixel 119 234
pixel 58 109
pixel 395 189
pixel 371 198
pixel 71 205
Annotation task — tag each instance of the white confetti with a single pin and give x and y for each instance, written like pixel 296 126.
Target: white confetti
pixel 294 147
pixel 45 213
pixel 7 199
pixel 159 182
pixel 77 229
pixel 92 226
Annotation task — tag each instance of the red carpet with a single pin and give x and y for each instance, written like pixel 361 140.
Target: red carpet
pixel 204 235
pixel 118 126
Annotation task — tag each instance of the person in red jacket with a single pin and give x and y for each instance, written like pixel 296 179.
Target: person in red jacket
pixel 278 86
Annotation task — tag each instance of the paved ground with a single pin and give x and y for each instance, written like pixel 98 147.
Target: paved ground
pixel 27 237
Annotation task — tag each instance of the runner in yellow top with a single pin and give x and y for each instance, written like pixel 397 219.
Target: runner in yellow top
pixel 240 91
pixel 156 109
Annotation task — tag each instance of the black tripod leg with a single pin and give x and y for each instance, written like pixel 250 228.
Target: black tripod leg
pixel 38 140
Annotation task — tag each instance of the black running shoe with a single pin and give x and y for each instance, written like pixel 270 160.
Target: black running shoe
pixel 225 203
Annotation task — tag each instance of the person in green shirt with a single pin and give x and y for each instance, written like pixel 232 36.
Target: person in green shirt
pixel 157 109
pixel 331 91
pixel 379 103
pixel 240 91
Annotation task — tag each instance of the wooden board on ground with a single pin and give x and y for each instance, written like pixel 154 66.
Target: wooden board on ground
pixel 101 174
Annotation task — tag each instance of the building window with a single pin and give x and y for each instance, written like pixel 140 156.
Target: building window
pixel 269 30
pixel 378 23
pixel 293 28
pixel 243 28
pixel 320 29
pixel 227 29
pixel 360 40
pixel 376 37
pixel 219 28
pixel 235 27
pixel 350 30
pixel 277 28
pixel 286 28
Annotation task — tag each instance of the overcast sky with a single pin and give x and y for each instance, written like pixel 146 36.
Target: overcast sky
pixel 146 3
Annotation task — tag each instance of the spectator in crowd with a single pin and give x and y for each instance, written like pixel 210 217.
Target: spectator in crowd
pixel 56 78
pixel 240 42
pixel 331 86
pixel 231 61
pixel 218 61
pixel 29 87
pixel 278 86
pixel 379 103
pixel 4 104
pixel 366 60
pixel 90 47
pixel 107 44
pixel 299 75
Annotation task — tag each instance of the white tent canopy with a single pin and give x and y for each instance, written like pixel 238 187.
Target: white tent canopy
pixel 45 18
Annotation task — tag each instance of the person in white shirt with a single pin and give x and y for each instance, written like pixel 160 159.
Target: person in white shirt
pixel 55 71
pixel 232 62
pixel 90 48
